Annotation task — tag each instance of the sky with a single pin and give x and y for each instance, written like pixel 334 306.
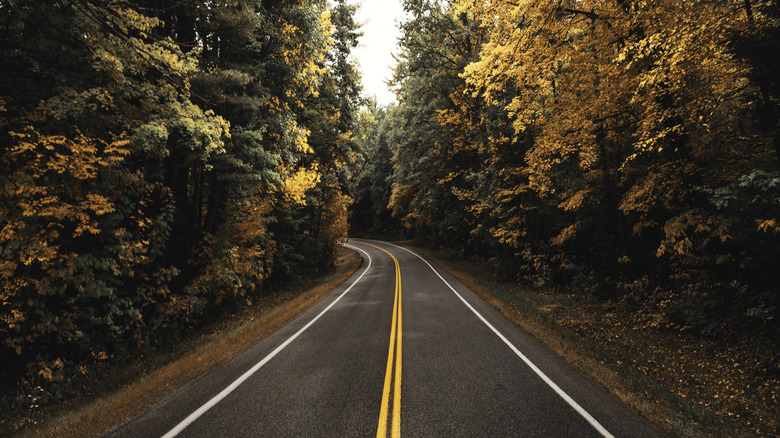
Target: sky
pixel 379 42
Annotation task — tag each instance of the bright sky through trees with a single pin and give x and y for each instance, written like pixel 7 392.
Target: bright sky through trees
pixel 380 36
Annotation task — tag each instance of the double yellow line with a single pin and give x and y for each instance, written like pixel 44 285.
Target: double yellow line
pixel 395 348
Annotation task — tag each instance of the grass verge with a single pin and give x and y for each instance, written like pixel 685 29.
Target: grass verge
pixel 127 391
pixel 687 385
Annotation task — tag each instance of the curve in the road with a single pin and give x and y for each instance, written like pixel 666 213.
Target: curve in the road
pixel 570 401
pixel 461 373
pixel 396 338
pixel 236 383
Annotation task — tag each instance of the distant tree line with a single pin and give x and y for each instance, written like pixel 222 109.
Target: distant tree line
pixel 162 161
pixel 625 149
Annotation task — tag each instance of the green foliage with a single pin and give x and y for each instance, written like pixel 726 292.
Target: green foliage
pixel 723 256
pixel 371 188
pixel 159 163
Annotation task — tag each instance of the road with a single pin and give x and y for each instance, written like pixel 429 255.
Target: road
pixel 401 348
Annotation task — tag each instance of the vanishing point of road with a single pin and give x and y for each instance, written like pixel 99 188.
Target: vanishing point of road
pixel 400 349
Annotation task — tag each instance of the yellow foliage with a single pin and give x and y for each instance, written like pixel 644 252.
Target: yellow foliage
pixel 306 59
pixel 400 198
pixel 581 70
pixel 565 234
pixel 574 201
pixel 295 185
pixel 768 226
pixel 336 218
pixel 80 159
pixel 240 260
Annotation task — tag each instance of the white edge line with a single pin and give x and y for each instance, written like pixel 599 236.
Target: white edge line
pixel 217 398
pixel 580 410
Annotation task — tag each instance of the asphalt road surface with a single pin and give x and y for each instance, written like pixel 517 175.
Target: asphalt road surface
pixel 401 348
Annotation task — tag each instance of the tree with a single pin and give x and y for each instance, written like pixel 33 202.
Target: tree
pixel 160 160
pixel 622 146
pixel 434 167
pixel 371 187
pixel 88 216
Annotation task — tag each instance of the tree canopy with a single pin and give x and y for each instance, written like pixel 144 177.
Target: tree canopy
pixel 628 148
pixel 162 162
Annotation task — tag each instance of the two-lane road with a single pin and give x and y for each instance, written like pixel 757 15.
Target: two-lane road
pixel 401 348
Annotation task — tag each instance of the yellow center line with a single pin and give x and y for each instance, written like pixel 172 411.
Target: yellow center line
pixel 395 335
pixel 397 390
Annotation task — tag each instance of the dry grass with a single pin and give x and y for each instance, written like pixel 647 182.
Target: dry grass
pixel 685 385
pixel 153 378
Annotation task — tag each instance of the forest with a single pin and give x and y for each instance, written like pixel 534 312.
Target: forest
pixel 164 162
pixel 629 150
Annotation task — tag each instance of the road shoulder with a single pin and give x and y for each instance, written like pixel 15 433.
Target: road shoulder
pixel 598 340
